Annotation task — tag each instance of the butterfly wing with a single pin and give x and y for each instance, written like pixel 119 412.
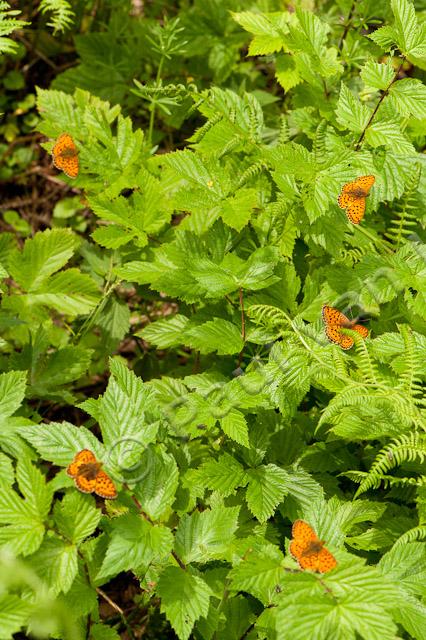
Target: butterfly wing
pixel 105 487
pixel 303 535
pixel 363 331
pixel 82 457
pixel 334 320
pixel 356 210
pixel 325 561
pixel 65 155
pixel 86 485
pixel 346 196
pixel 365 183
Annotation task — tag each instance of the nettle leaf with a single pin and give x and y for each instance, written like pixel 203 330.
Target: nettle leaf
pixel 157 479
pixel 184 599
pixel 235 426
pixel 56 562
pixel 408 97
pixel 135 543
pixel 12 392
pixel 266 489
pixel 259 572
pixel 76 529
pixel 23 518
pixel 42 256
pixel 215 335
pixel 59 442
pixel 223 475
pixel 350 112
pixel 377 75
pixel 165 333
pixel 206 536
pixel 14 614
pixel 124 416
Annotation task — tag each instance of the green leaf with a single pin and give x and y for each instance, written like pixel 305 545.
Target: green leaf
pixel 184 599
pixel 123 417
pixel 223 475
pixel 156 487
pixel 12 392
pixel 408 97
pixel 235 426
pixel 165 333
pixel 237 209
pixel 23 518
pixel 350 112
pixel 14 614
pixel 56 562
pixel 215 335
pixel 259 572
pixel 41 256
pixel 206 536
pixel 388 134
pixel 135 543
pixel 59 442
pixel 377 75
pixel 72 526
pixel 406 26
pixel 266 490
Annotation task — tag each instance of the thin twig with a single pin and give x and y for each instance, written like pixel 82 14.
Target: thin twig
pixel 243 328
pixel 119 610
pixel 382 97
pixel 347 26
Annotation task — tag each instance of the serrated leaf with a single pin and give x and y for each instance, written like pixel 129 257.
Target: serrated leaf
pixel 215 335
pixel 259 572
pixel 377 75
pixel 408 96
pixel 223 474
pixel 388 134
pixel 265 491
pixel 41 256
pixel 165 333
pixel 56 562
pixel 76 516
pixel 350 112
pixel 135 543
pixel 158 481
pixel 235 426
pixel 206 536
pixel 14 614
pixel 184 599
pixel 12 392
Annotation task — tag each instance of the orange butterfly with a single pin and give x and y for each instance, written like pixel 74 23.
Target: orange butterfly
pixel 88 477
pixel 309 550
pixel 65 155
pixel 334 321
pixel 353 195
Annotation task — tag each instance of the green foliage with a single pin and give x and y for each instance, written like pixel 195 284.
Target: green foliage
pixel 167 317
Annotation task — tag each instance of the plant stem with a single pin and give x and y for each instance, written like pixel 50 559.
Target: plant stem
pixel 373 239
pixel 347 26
pixel 382 97
pixel 119 610
pixel 243 328
pixel 152 114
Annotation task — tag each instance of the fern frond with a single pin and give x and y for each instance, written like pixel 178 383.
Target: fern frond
pixel 62 15
pixel 367 365
pixel 201 131
pixel 251 172
pixel 8 24
pixel 406 211
pixel 268 316
pixel 416 533
pixel 406 448
pixel 410 377
pixel 284 135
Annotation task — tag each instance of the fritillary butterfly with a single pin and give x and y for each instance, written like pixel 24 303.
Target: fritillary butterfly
pixel 309 550
pixel 89 478
pixel 334 321
pixel 353 197
pixel 65 155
